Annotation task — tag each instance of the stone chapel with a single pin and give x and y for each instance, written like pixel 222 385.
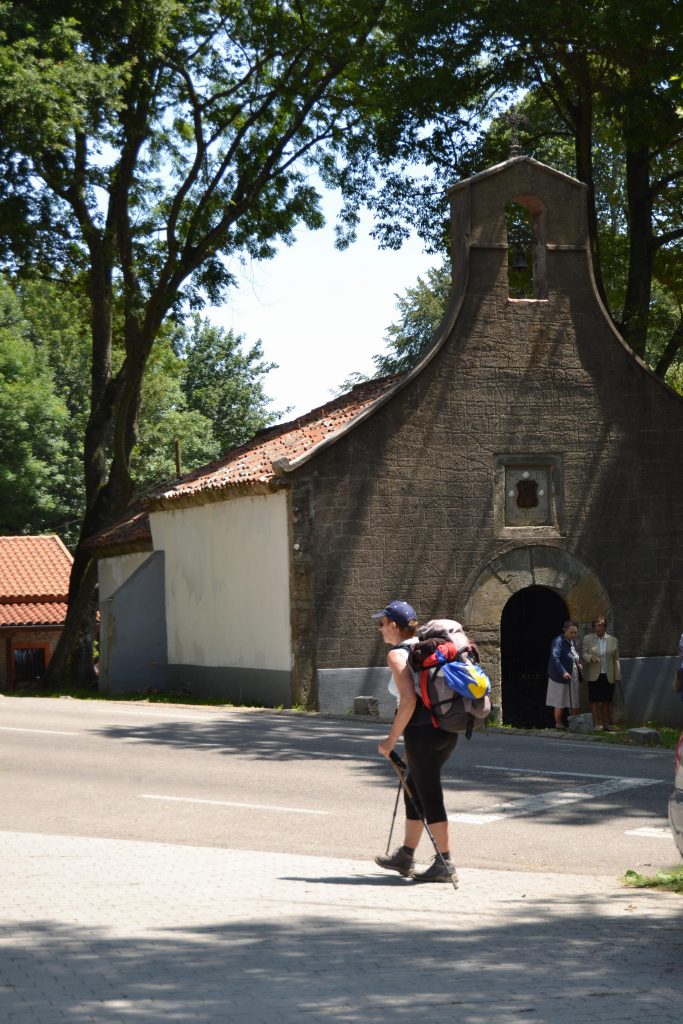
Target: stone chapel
pixel 525 472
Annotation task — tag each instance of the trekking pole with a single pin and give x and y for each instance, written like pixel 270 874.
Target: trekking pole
pixel 400 767
pixel 391 830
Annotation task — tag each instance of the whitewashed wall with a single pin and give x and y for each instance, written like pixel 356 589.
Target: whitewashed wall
pixel 112 572
pixel 227 583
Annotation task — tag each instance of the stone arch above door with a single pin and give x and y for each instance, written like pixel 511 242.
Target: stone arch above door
pixel 535 565
pixel 531 565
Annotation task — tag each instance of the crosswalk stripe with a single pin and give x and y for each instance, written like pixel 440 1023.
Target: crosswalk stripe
pixel 546 801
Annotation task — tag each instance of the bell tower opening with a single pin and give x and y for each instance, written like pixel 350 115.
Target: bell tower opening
pixel 530 620
pixel 525 222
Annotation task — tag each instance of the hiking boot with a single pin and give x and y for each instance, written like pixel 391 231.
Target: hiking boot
pixel 400 860
pixel 438 871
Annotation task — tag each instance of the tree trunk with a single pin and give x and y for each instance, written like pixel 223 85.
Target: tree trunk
pixel 74 652
pixel 583 148
pixel 71 659
pixel 636 315
pixel 114 405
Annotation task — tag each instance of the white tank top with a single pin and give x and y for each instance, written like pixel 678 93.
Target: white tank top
pixel 403 648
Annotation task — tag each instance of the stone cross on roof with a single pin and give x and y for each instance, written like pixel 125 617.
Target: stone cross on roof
pixel 515 119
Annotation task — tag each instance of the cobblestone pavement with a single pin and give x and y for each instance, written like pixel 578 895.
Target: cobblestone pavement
pixel 119 932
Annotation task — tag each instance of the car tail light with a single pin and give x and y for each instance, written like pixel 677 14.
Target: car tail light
pixel 679 753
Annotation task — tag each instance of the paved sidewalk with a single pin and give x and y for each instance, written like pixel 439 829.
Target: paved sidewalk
pixel 118 932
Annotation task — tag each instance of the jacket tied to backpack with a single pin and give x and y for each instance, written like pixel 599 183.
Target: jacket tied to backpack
pixel 453 685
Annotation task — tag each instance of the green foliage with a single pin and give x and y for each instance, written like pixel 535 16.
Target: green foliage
pixel 166 418
pixel 224 381
pixel 421 310
pixel 674 377
pixel 32 421
pixel 145 142
pixel 57 318
pixel 547 137
pixel 150 696
pixel 668 881
pixel 603 91
pixel 668 737
pixel 202 386
pixel 188 116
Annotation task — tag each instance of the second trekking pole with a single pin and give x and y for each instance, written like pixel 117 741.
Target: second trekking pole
pixel 393 820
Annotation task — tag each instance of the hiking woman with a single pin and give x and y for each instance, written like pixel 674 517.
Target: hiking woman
pixel 427 750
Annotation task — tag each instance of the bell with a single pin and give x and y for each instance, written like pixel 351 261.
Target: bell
pixel 518 260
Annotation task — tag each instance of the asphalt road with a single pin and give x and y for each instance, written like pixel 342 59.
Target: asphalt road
pixel 299 784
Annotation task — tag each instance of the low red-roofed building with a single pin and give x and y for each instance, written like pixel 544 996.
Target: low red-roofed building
pixel 34 585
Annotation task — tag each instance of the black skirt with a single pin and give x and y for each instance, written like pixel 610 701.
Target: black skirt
pixel 601 691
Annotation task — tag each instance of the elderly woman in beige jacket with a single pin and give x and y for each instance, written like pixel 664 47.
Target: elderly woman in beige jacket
pixel 601 670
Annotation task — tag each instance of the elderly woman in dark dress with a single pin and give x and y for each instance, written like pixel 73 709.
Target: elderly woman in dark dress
pixel 563 675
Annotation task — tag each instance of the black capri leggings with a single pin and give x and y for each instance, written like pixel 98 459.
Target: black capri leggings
pixel 427 750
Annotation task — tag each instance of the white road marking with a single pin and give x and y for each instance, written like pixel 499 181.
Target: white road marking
pixel 49 732
pixel 231 803
pixel 517 808
pixel 651 832
pixel 536 771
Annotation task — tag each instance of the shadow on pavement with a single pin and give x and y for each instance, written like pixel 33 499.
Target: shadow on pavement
pixel 542 961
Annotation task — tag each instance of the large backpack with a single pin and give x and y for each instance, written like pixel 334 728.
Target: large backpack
pixel 453 685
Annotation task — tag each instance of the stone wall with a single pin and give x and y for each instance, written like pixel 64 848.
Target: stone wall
pixel 408 504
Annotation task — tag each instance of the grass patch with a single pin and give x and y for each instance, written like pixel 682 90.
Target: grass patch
pixel 668 736
pixel 145 696
pixel 667 881
pixel 141 696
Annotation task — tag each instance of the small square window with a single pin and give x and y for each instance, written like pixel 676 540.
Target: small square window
pixel 527 495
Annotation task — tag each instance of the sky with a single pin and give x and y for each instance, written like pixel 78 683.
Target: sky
pixel 321 314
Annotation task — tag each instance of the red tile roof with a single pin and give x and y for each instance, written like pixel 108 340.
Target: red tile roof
pixel 34 580
pixel 251 464
pixel 248 467
pixel 130 534
pixel 50 613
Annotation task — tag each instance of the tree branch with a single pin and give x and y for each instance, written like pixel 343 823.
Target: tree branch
pixel 672 349
pixel 662 183
pixel 669 236
pixel 193 174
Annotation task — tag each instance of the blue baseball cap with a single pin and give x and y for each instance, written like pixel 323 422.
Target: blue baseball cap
pixel 399 612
